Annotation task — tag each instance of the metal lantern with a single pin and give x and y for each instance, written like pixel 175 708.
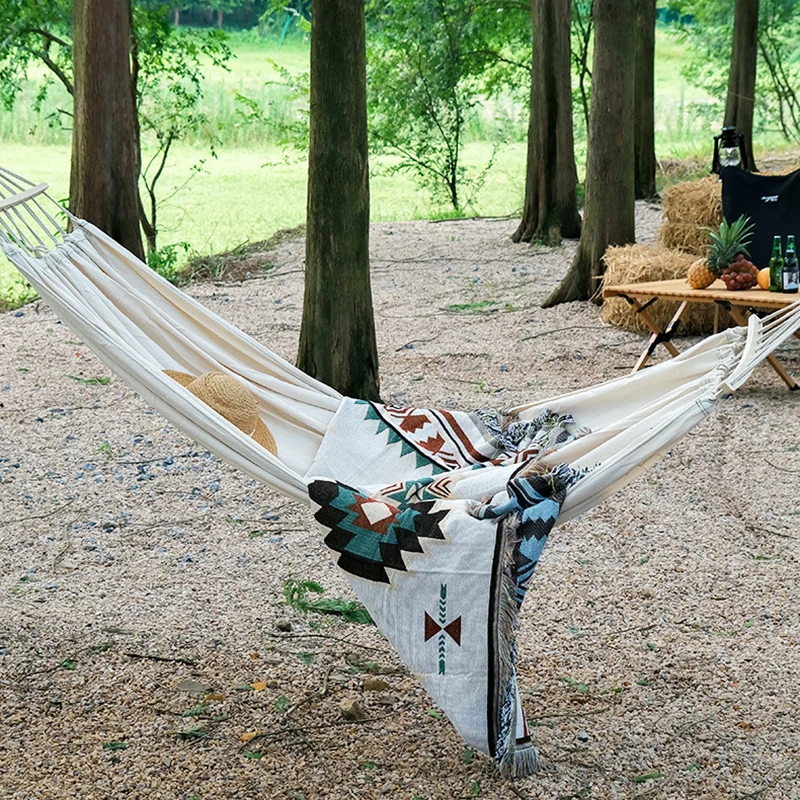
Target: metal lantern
pixel 730 151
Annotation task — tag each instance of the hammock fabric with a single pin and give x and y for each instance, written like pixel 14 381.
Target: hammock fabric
pixel 437 517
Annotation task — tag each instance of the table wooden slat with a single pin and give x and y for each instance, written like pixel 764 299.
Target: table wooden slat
pixel 679 290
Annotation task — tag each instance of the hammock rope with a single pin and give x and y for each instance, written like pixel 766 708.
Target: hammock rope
pixel 140 325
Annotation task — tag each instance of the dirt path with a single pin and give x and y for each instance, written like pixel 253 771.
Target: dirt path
pixel 659 646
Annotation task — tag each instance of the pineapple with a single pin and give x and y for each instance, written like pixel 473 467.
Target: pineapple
pixel 725 245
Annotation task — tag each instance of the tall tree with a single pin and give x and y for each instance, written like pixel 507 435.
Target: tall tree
pixel 608 198
pixel 644 145
pixel 741 96
pixel 551 208
pixel 337 336
pixel 105 149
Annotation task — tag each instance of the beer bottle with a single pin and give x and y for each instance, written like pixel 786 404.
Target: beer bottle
pixel 790 268
pixel 776 266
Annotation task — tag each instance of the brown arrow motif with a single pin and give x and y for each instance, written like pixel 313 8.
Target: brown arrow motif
pixel 452 629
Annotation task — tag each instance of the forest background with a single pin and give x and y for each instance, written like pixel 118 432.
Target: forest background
pixel 237 173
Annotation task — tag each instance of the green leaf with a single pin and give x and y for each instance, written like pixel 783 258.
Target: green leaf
pixel 647 776
pixel 200 710
pixel 472 308
pixel 435 713
pixel 296 594
pixel 102 381
pixel 468 756
pixel 114 745
pixel 254 754
pixel 475 789
pixel 243 687
pixel 68 663
pixel 197 731
pixel 306 658
pixel 578 685
pixel 282 703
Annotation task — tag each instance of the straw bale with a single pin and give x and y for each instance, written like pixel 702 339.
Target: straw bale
pixel 689 208
pixel 637 263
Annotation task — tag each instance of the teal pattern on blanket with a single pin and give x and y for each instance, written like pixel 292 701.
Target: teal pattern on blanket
pixel 534 502
pixel 369 534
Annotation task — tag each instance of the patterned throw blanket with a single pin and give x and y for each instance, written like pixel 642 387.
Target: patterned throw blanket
pixel 439 518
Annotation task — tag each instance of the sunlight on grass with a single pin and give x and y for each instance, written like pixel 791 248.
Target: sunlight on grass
pixel 237 199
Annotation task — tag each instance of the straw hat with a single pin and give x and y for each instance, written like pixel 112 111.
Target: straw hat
pixel 229 397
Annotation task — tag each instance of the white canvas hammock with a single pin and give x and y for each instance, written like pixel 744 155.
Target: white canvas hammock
pixel 442 578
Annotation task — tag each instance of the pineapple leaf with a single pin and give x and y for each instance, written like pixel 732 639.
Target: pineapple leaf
pixel 729 240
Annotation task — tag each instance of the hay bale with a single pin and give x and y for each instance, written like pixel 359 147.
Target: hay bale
pixel 689 208
pixel 637 263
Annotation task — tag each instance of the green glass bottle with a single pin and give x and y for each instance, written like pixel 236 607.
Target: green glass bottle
pixel 789 283
pixel 776 266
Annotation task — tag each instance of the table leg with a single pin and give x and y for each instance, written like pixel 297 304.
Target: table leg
pixel 659 336
pixel 741 319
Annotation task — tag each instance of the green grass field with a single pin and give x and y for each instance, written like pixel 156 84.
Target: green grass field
pixel 250 191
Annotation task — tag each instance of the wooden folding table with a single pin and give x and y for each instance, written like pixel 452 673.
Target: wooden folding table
pixel 739 306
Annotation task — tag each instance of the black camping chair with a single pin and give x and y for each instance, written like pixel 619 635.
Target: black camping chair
pixel 771 201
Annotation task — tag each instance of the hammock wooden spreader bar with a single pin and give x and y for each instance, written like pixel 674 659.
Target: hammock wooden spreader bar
pixel 442 570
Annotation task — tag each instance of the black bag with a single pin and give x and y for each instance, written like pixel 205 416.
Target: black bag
pixel 771 201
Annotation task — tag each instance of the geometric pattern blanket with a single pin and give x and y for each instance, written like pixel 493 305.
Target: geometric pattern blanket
pixel 438 519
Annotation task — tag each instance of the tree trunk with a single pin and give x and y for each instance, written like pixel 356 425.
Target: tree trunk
pixel 219 18
pixel 644 144
pixel 337 336
pixel 105 156
pixel 742 74
pixel 608 199
pixel 177 17
pixel 551 207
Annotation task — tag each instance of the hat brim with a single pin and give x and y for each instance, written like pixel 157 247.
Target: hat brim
pixel 264 437
pixel 183 378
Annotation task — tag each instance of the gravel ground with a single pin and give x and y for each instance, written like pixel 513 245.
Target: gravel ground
pixel 142 625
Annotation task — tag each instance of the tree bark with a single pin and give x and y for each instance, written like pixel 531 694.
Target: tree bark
pixel 105 155
pixel 337 336
pixel 644 144
pixel 742 75
pixel 551 208
pixel 608 198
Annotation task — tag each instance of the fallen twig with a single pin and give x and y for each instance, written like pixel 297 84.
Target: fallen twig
pixel 72 657
pixel 687 727
pixel 769 531
pixel 568 328
pixel 325 636
pixel 311 696
pixel 415 341
pixel 782 469
pixel 517 791
pixel 37 516
pixel 766 787
pixel 627 630
pixel 338 723
pixel 168 659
